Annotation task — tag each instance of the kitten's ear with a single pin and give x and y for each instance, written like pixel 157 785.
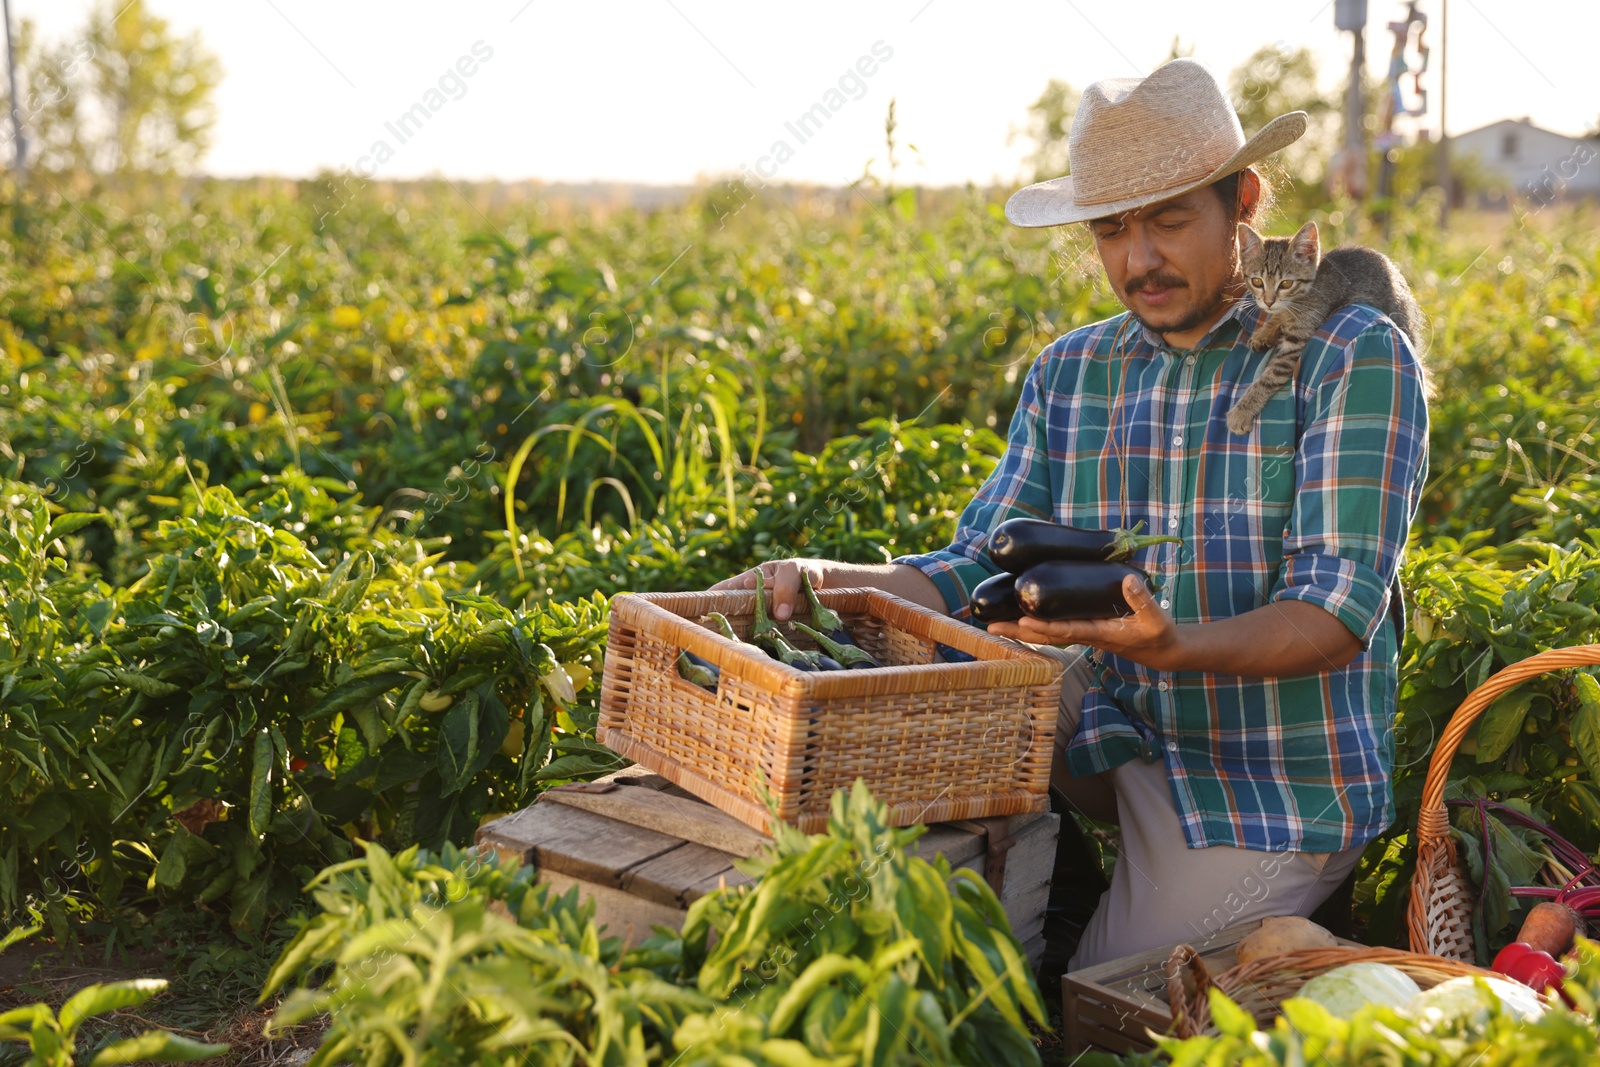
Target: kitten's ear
pixel 1306 242
pixel 1249 240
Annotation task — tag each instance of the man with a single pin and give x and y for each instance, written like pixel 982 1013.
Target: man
pixel 1238 724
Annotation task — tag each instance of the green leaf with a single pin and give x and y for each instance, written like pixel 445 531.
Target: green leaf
pixel 139 683
pixel 1501 723
pixel 354 691
pixel 21 933
pixel 373 730
pixel 494 721
pixel 349 749
pixel 261 783
pixel 173 866
pixel 155 1046
pixel 112 996
pixel 250 901
pixel 1230 1019
pixel 398 765
pixel 16 1023
pixel 1585 725
pixel 71 522
pixel 578 766
pixel 458 744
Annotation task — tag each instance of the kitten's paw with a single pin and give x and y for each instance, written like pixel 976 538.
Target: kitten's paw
pixel 1240 420
pixel 1263 339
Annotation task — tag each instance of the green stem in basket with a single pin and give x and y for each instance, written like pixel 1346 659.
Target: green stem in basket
pixel 765 632
pixel 763 623
pixel 822 617
pixel 724 627
pixel 852 656
pixel 782 651
pixel 698 671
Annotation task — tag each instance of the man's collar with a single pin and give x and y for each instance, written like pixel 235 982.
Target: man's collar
pixel 1243 311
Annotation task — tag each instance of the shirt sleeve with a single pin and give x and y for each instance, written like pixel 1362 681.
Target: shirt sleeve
pixel 1021 484
pixel 1359 472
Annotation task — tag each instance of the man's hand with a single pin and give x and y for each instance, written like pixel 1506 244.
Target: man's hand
pixel 1148 636
pixel 782 580
pixel 1283 639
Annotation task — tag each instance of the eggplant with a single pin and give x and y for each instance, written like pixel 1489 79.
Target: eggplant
pixel 824 619
pixel 953 655
pixel 995 600
pixel 1066 590
pixel 853 657
pixel 701 672
pixel 1016 545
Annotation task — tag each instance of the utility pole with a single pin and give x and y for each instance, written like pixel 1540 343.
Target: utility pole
pixel 1444 140
pixel 16 112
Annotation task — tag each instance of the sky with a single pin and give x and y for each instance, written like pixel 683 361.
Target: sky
pixel 674 91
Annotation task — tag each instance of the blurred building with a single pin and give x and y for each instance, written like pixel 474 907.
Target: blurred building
pixel 1534 162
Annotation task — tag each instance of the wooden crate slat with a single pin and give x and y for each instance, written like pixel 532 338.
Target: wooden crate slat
pixel 956 845
pixel 689 819
pixel 588 846
pixel 669 877
pixel 731 878
pixel 621 914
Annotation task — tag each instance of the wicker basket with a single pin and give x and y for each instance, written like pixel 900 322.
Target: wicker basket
pixel 1439 914
pixel 1262 984
pixel 934 741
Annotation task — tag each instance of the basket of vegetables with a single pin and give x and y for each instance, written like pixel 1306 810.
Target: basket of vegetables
pixel 1439 912
pixel 1431 989
pixel 940 719
pixel 1294 958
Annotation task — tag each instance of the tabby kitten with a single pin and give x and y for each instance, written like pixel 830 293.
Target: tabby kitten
pixel 1299 289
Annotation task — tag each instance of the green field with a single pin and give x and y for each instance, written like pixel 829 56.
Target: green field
pixel 288 465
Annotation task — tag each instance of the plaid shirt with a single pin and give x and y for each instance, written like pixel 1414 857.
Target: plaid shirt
pixel 1314 504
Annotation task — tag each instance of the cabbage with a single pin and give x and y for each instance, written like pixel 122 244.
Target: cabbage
pixel 1463 1002
pixel 1345 990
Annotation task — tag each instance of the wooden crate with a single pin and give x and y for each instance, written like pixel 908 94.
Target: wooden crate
pixel 648 849
pixel 934 740
pixel 1110 1006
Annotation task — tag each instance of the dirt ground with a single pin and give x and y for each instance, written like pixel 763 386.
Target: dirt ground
pixel 31 972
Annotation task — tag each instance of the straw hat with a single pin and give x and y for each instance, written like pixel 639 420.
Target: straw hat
pixel 1135 141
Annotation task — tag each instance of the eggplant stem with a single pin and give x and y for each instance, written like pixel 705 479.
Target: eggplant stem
pixel 845 654
pixel 762 624
pixel 822 618
pixel 1126 542
pixel 723 626
pixel 788 654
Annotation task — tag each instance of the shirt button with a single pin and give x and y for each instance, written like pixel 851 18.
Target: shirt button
pixel 1172 523
pixel 1162 685
pixel 1177 438
pixel 1164 605
pixel 1172 746
pixel 1189 360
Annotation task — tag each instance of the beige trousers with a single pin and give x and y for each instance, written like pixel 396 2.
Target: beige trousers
pixel 1163 892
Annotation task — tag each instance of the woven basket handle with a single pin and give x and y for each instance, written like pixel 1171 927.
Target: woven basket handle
pixel 1434 902
pixel 1190 1012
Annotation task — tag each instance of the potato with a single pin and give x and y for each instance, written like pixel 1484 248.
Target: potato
pixel 1283 933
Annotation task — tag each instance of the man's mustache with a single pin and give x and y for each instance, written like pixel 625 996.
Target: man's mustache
pixel 1156 281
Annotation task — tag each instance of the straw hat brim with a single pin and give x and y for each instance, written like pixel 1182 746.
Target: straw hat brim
pixel 1050 203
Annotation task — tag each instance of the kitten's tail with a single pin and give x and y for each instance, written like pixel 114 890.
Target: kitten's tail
pixel 1412 321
